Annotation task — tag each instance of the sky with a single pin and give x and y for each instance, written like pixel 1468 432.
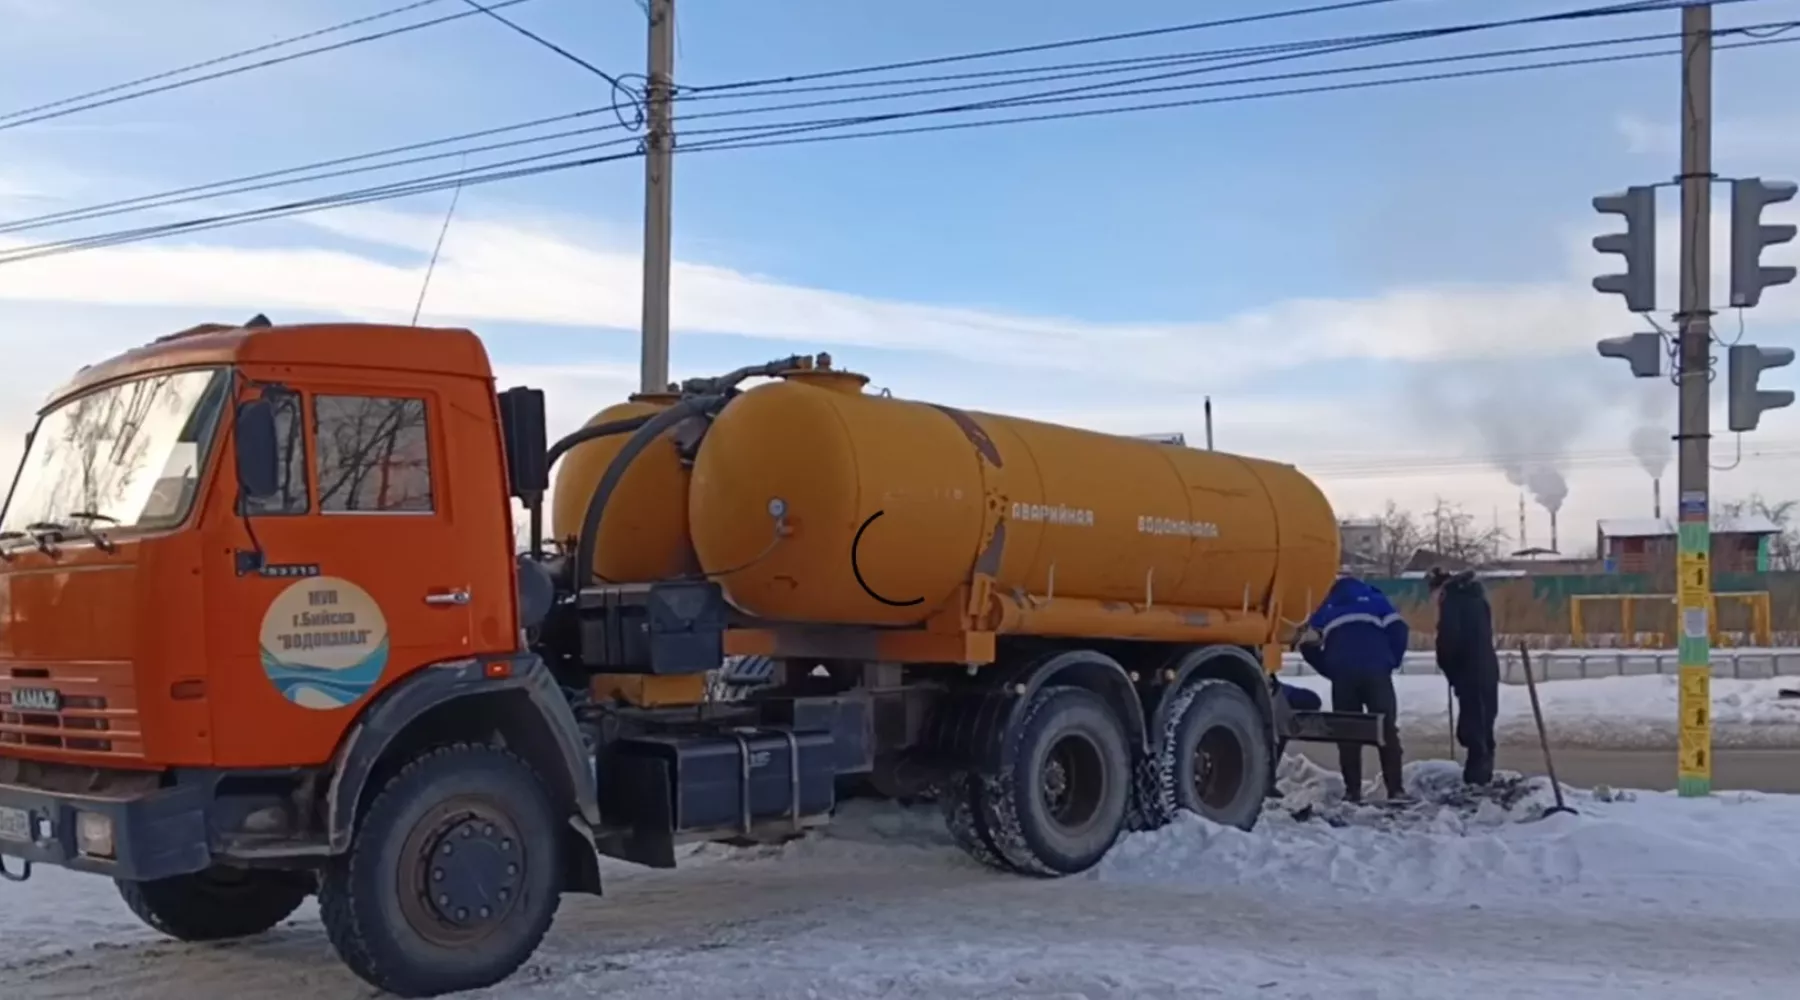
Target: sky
pixel 1388 287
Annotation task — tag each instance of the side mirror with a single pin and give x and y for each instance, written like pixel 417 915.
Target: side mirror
pixel 258 458
pixel 522 425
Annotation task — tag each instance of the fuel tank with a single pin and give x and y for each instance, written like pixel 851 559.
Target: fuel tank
pixel 644 535
pixel 814 501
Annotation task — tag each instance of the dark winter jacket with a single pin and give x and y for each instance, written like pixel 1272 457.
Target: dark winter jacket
pixel 1298 698
pixel 1465 632
pixel 1358 633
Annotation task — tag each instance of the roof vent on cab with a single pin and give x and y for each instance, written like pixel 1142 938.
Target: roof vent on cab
pixel 256 322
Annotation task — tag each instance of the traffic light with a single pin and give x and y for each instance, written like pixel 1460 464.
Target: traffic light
pixel 1749 196
pixel 1644 351
pixel 1637 244
pixel 1744 401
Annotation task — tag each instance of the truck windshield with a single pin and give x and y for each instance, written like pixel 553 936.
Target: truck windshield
pixel 125 456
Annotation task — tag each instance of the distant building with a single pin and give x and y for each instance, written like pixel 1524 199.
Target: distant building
pixel 1647 545
pixel 1359 542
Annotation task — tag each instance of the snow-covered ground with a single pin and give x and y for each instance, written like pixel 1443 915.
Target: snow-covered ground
pixel 1610 712
pixel 1642 897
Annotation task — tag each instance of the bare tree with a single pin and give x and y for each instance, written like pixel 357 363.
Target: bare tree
pixel 1784 547
pixel 1400 538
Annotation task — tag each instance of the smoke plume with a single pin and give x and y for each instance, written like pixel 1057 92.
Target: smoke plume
pixel 1521 421
pixel 1650 440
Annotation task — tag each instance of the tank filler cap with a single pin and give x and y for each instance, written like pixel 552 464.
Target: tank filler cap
pixel 824 376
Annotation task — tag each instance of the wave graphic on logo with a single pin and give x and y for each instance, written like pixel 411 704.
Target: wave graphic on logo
pixel 340 686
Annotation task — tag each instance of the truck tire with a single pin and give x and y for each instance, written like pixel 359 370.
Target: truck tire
pixel 1061 805
pixel 451 879
pixel 967 821
pixel 217 904
pixel 1214 755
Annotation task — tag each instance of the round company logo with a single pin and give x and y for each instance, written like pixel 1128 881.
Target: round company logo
pixel 324 642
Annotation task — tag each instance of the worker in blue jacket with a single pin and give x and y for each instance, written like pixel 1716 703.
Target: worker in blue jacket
pixel 1298 699
pixel 1356 640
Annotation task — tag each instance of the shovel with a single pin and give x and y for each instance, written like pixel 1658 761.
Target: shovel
pixel 1537 713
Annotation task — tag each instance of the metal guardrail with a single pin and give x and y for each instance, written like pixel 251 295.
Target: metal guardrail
pixel 1579 664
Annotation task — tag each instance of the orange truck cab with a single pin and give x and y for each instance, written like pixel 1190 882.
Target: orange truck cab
pixel 265 632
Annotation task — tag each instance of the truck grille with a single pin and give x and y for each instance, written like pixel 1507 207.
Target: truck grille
pixel 86 709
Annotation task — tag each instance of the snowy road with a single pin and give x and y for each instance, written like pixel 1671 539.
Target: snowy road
pixel 1646 899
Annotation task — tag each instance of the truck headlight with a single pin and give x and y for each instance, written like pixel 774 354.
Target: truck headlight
pixel 94 834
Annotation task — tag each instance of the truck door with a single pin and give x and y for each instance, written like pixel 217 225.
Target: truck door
pixel 362 580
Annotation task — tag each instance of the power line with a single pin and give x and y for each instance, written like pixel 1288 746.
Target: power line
pixel 776 134
pixel 548 44
pixel 68 105
pixel 1111 89
pixel 216 60
pixel 320 170
pixel 156 200
pixel 1637 6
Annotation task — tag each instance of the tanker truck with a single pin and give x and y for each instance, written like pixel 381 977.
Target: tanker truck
pixel 265 634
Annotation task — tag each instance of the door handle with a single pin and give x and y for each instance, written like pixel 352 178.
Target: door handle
pixel 453 597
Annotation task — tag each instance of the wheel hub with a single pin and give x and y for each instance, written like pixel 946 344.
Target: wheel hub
pixel 1218 767
pixel 1073 781
pixel 467 869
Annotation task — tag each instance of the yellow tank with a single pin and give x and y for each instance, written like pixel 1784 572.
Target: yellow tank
pixel 1083 533
pixel 644 535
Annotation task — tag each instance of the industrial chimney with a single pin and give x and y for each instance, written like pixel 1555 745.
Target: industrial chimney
pixel 1656 497
pixel 1553 547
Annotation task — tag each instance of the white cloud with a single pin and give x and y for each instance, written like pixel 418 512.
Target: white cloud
pixel 497 271
pixel 1736 141
pixel 1146 377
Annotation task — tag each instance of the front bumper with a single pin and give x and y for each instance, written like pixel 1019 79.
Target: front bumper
pixel 155 835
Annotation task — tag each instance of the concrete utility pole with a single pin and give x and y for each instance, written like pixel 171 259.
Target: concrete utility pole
pixel 659 148
pixel 1694 322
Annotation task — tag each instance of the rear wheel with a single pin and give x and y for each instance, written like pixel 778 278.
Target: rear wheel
pixel 217 904
pixel 451 880
pixel 1215 757
pixel 1062 804
pixel 962 805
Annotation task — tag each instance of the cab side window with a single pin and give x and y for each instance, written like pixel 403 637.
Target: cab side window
pixel 374 455
pixel 290 443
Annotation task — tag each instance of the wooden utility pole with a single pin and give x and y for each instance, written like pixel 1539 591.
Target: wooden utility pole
pixel 659 148
pixel 1694 321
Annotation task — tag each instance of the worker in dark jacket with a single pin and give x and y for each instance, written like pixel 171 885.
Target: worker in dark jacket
pixel 1465 655
pixel 1356 640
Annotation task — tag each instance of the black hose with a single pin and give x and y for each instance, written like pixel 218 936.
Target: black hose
pixel 589 433
pixel 583 569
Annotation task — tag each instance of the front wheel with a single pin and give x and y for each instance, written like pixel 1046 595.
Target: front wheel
pixel 451 880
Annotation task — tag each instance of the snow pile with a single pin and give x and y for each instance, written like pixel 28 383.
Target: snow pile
pixel 1734 853
pixel 1604 711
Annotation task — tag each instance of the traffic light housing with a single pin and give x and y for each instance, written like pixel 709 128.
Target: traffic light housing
pixel 1637 244
pixel 1745 402
pixel 1749 236
pixel 1644 352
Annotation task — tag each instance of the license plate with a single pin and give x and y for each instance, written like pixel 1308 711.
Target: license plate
pixel 36 700
pixel 15 824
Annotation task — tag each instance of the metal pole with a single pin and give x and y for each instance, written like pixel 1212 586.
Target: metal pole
pixel 659 144
pixel 1694 775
